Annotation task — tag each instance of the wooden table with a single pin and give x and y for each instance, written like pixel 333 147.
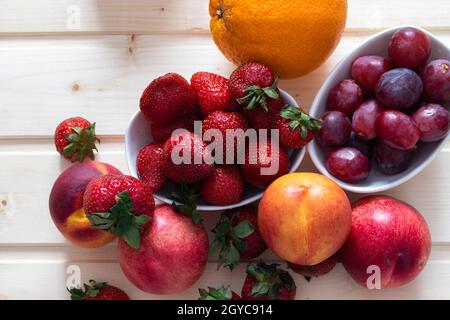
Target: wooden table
pixel 93 58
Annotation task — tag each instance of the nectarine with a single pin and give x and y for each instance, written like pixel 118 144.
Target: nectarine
pixel 66 204
pixel 304 218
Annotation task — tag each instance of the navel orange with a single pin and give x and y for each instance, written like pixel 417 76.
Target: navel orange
pixel 293 37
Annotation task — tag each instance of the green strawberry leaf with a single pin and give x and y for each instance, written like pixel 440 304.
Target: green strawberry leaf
pixel 244 229
pixel 216 294
pixel 300 120
pixel 187 197
pixel 121 220
pixel 82 143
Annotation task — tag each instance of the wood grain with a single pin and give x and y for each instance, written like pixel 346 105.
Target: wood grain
pixel 22 17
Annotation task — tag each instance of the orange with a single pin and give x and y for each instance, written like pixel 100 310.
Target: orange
pixel 293 37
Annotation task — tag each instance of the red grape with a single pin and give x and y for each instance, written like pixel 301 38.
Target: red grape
pixel 436 81
pixel 399 89
pixel 433 122
pixel 391 161
pixel 397 129
pixel 348 164
pixel 363 122
pixel 345 97
pixel 367 70
pixel 409 48
pixel 335 129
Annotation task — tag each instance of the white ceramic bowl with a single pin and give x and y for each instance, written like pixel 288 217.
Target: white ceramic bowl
pixel 138 135
pixel 377 181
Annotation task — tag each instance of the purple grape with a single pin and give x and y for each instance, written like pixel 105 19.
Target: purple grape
pixel 399 89
pixel 391 161
pixel 365 146
pixel 335 129
pixel 397 129
pixel 432 121
pixel 436 81
pixel 363 122
pixel 345 97
pixel 348 164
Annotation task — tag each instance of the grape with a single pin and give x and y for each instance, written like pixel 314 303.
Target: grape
pixel 363 122
pixel 365 146
pixel 409 48
pixel 432 121
pixel 345 97
pixel 399 89
pixel 335 129
pixel 389 160
pixel 348 164
pixel 397 129
pixel 436 81
pixel 367 70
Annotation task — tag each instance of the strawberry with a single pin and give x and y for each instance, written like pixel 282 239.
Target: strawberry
pixel 251 84
pixel 119 204
pixel 98 291
pixel 160 133
pixel 223 121
pixel 225 177
pixel 166 99
pixel 268 282
pixel 237 237
pixel 150 166
pixel 218 294
pixel 261 156
pixel 260 118
pixel 295 127
pixel 213 93
pixel 194 156
pixel 316 270
pixel 75 139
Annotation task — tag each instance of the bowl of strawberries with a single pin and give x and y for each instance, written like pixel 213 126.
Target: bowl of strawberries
pixel 216 143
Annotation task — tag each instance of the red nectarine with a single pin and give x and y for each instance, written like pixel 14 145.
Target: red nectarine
pixel 304 218
pixel 66 204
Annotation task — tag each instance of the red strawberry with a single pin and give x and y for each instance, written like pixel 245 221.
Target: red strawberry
pixel 98 291
pixel 218 294
pixel 75 139
pixel 166 99
pixel 268 282
pixel 150 166
pixel 259 118
pixel 161 133
pixel 295 127
pixel 237 236
pixel 223 121
pixel 213 93
pixel 225 177
pixel 314 271
pixel 119 204
pixel 251 84
pixel 261 156
pixel 194 156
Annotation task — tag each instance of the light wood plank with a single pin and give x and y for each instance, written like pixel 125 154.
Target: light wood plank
pixel 102 77
pixel 25 278
pixel 190 16
pixel 25 218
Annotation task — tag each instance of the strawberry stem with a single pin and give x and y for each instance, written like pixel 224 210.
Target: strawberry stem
pixel 300 120
pixel 187 198
pixel 256 95
pixel 82 143
pixel 223 293
pixel 90 290
pixel 121 220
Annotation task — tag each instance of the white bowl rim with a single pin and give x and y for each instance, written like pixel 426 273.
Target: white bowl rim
pixel 312 146
pixel 294 165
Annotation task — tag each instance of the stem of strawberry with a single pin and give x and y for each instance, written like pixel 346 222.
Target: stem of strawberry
pixel 121 220
pixel 186 197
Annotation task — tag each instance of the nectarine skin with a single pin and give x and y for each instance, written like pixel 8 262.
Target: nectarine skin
pixel 304 218
pixel 390 234
pixel 172 256
pixel 66 204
